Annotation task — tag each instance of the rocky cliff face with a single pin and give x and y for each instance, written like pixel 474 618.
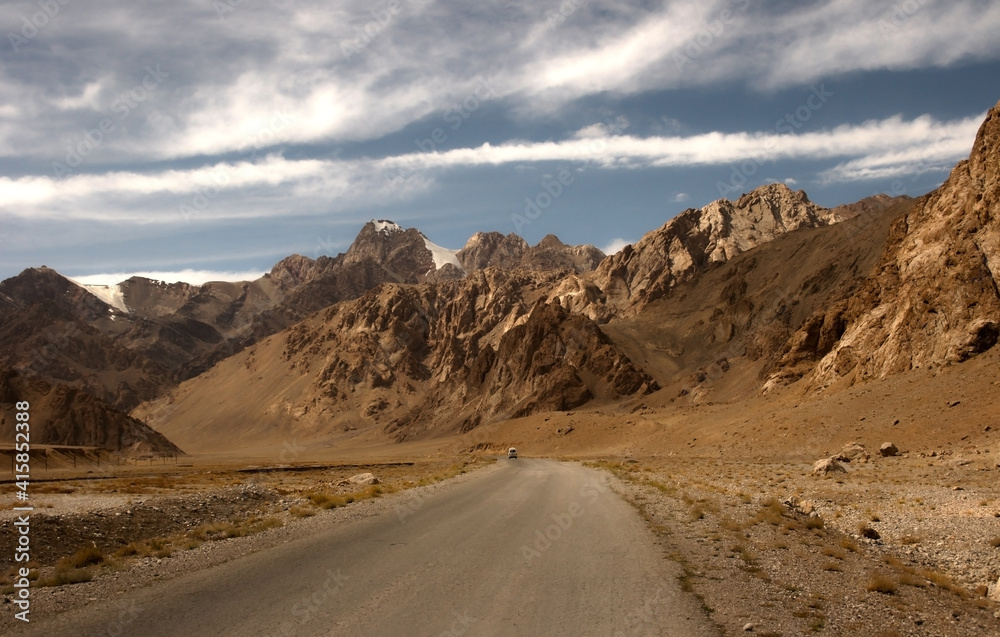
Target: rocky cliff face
pixel 488 347
pixel 933 299
pixel 695 239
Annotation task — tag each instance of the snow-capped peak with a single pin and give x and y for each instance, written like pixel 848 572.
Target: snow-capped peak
pixel 385 226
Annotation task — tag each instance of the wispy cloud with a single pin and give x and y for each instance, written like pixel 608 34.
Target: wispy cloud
pixel 871 150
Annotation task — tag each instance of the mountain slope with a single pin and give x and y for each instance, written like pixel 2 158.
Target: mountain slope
pixel 934 299
pixel 690 242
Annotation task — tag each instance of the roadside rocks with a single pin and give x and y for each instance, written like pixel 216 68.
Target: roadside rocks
pixel 363 479
pixel 888 450
pixel 826 466
pixel 995 591
pixel 853 451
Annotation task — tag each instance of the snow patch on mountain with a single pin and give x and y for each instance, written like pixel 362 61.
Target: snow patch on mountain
pixel 385 226
pixel 110 294
pixel 442 256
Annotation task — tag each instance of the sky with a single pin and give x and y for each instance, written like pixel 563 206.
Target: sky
pixel 208 139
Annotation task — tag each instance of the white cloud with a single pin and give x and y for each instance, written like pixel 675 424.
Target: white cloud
pixel 681 197
pixel 615 245
pixel 194 277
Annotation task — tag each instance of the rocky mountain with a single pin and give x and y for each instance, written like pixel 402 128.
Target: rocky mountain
pixel 128 342
pixel 697 238
pixel 492 249
pixel 54 329
pixel 933 298
pixel 403 337
pixel 63 415
pixel 410 361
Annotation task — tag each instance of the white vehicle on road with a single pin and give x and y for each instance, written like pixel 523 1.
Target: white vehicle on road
pixel 512 454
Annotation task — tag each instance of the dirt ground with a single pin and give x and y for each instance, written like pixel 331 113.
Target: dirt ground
pixel 890 548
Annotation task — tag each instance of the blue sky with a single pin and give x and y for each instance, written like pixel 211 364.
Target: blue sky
pixel 197 139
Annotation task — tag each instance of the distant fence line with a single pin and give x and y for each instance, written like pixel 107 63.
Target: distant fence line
pixel 84 456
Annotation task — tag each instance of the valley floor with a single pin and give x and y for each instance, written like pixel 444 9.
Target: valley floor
pixel 904 545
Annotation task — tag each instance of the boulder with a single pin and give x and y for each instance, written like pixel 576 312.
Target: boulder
pixel 364 478
pixel 870 533
pixel 994 593
pixel 805 507
pixel 853 451
pixel 888 449
pixel 828 465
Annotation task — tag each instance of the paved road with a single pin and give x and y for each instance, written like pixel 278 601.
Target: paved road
pixel 534 548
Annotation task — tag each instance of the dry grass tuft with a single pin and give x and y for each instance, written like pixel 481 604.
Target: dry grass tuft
pixel 834 551
pixel 882 583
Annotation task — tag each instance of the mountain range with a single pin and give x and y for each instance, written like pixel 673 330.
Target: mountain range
pixel 399 337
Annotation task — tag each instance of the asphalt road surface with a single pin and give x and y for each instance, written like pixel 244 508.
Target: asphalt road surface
pixel 534 548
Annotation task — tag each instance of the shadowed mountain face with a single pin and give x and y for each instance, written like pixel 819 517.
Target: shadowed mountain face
pixel 62 415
